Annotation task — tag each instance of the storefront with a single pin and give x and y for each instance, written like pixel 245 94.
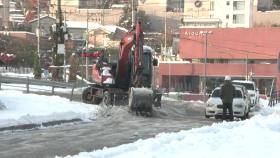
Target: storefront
pixel 243 53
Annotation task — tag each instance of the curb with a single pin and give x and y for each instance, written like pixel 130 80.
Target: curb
pixel 33 125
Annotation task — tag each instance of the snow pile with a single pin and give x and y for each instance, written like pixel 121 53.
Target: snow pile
pixel 257 137
pixel 36 109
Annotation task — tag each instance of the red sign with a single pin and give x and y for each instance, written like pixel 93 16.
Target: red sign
pixel 96 54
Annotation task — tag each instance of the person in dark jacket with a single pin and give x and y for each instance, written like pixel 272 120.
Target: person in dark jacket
pixel 227 95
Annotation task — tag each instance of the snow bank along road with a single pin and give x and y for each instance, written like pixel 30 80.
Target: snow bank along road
pixel 113 127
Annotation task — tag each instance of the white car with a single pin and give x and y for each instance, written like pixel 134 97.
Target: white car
pixel 240 105
pixel 252 90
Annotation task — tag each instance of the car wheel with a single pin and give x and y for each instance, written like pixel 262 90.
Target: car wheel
pixel 244 117
pixel 206 116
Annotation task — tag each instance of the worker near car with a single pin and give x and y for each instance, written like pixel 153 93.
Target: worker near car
pixel 227 95
pixel 157 96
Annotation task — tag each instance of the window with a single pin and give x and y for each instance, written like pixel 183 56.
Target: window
pixel 212 5
pixel 216 93
pixel 227 16
pixel 238 5
pixel 238 19
pixel 238 94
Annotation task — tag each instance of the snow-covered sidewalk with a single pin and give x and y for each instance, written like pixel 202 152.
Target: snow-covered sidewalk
pixel 23 109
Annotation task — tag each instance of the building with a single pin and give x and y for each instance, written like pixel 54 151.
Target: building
pixel 4 13
pixel 217 13
pixel 84 10
pixel 45 23
pixel 264 14
pixel 263 5
pixel 240 52
pixel 157 10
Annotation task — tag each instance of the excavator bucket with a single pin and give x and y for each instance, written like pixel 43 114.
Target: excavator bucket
pixel 141 101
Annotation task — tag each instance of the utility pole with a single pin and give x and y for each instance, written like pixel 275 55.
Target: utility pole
pixel 247 77
pixel 61 35
pixel 87 38
pixel 38 33
pixel 37 62
pixel 205 66
pixel 6 14
pixel 165 32
pixel 132 13
pixel 59 41
pixel 165 50
pixel 206 33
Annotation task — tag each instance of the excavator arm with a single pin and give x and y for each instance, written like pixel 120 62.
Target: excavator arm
pixel 134 71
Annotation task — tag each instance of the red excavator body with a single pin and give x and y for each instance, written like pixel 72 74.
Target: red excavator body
pixel 130 78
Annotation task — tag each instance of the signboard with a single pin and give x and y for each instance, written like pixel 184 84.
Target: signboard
pixel 60 49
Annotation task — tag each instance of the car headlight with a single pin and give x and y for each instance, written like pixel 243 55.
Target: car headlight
pixel 210 104
pixel 239 105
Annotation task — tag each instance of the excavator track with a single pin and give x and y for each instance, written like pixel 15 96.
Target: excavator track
pixel 141 101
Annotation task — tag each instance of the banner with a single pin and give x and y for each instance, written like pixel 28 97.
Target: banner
pixel 60 49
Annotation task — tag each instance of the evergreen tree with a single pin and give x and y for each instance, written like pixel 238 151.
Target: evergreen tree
pixel 126 19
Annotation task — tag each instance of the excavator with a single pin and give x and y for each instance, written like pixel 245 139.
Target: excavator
pixel 129 80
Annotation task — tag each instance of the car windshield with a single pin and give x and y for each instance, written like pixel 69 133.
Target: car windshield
pixel 248 86
pixel 216 93
pixel 238 94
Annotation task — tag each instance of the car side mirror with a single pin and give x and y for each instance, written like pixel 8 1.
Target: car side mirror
pixel 155 62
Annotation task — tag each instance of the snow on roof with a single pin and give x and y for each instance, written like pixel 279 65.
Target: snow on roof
pixel 112 28
pixel 243 81
pixel 82 24
pixel 41 18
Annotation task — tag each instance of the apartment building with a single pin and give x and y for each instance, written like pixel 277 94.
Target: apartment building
pixel 157 10
pixel 218 13
pixel 263 5
pixel 265 15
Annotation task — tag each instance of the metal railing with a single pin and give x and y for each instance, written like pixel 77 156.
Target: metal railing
pixel 19 82
pixel 20 70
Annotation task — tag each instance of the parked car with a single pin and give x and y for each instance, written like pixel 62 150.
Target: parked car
pixel 246 94
pixel 240 105
pixel 252 90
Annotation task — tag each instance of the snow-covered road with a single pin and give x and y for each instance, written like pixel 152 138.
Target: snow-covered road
pixel 178 129
pixel 111 127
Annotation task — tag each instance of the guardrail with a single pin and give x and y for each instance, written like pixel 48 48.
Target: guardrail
pixel 30 81
pixel 274 98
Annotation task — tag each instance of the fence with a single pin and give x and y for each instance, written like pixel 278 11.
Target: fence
pixel 18 82
pixel 274 98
